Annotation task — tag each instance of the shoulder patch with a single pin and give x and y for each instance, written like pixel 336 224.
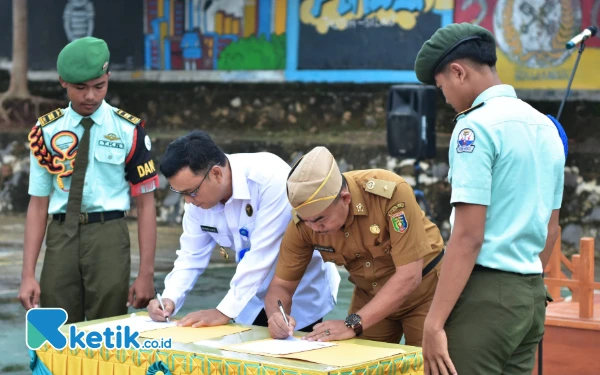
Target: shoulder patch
pixel 51 117
pixel 380 187
pixel 466 111
pixel 131 118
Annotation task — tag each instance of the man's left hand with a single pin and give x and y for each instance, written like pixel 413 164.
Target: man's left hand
pixel 435 352
pixel 141 292
pixel 204 318
pixel 331 330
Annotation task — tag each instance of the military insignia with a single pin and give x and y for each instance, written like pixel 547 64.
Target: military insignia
pixel 395 208
pixel 249 209
pixel 206 228
pixel 112 144
pixel 375 229
pixel 111 137
pixel 327 249
pixel 223 252
pixel 359 207
pixel 466 138
pixel 399 222
pixel 51 117
pixel 131 118
pixel 468 110
pixel 380 188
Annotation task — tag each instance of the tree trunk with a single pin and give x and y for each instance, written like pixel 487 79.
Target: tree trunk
pixel 18 77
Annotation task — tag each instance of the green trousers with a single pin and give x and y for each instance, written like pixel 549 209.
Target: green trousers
pixel 497 323
pixel 87 275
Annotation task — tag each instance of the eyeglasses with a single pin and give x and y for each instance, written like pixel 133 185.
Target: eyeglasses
pixel 193 193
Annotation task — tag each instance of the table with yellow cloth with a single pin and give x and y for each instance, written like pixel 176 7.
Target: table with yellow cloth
pixel 209 359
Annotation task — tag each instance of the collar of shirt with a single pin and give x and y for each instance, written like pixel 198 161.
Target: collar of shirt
pixel 239 179
pixel 97 116
pixel 357 202
pixel 494 92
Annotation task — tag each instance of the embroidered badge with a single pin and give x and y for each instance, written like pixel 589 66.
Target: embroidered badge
pixel 399 222
pixel 395 208
pixel 104 143
pixel 111 137
pixel 466 138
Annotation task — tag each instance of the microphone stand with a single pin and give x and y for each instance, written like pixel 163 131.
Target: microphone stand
pixel 581 49
pixel 562 105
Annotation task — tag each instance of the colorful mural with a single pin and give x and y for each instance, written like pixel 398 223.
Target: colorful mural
pixel 309 40
pixel 531 37
pixel 215 34
pixel 362 40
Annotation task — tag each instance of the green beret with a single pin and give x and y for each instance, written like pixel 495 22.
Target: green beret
pixel 83 60
pixel 444 41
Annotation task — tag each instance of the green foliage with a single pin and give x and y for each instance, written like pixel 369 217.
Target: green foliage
pixel 254 53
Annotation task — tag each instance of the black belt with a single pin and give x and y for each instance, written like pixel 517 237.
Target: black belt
pixel 481 268
pixel 93 217
pixel 433 263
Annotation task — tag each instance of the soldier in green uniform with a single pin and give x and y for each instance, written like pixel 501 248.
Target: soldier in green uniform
pixel 487 315
pixel 86 161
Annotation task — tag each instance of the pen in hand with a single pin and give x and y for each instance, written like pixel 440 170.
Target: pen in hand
pixel 162 306
pixel 285 319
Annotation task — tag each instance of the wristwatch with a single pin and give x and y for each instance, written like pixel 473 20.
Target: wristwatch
pixel 354 321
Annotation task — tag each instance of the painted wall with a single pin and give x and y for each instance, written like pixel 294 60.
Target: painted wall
pixel 309 40
pixel 215 34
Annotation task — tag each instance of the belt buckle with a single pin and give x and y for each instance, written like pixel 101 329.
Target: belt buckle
pixel 83 218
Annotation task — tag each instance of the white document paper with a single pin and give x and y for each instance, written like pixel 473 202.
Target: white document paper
pixel 136 323
pixel 281 347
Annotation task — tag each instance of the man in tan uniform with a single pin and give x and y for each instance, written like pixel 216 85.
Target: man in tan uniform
pixel 370 223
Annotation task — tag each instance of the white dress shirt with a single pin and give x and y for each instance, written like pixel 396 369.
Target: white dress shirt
pixel 259 180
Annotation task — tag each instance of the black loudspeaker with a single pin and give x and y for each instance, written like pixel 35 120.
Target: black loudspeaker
pixel 411 121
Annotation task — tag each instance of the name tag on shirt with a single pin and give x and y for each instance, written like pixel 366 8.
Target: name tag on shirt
pixel 325 248
pixel 209 229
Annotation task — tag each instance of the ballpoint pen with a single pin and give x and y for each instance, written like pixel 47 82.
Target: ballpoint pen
pixel 162 306
pixel 283 313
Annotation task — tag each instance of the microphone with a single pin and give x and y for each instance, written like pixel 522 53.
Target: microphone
pixel 590 31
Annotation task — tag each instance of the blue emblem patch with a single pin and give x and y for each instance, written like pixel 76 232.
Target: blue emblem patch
pixel 466 138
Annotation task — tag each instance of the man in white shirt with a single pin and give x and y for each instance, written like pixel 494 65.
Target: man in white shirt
pixel 239 203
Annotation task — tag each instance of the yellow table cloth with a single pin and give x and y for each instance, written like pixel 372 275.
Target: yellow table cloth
pixel 208 359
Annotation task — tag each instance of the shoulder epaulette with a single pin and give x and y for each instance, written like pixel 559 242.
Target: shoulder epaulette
pixel 295 217
pixel 51 117
pixel 468 110
pixel 131 118
pixel 380 187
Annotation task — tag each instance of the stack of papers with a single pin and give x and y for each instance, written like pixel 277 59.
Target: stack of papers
pixel 338 354
pixel 280 347
pixel 188 335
